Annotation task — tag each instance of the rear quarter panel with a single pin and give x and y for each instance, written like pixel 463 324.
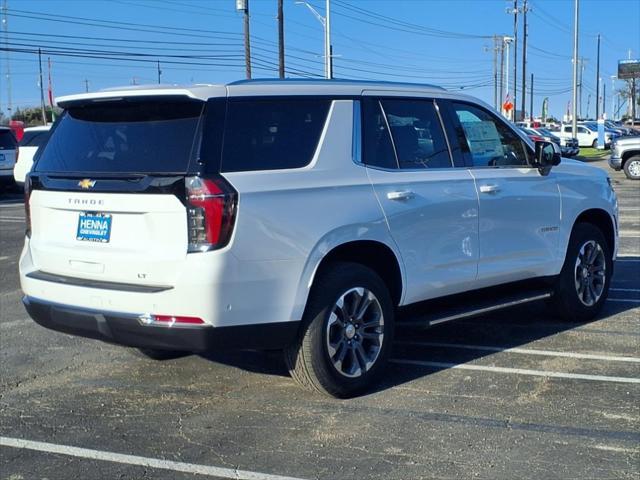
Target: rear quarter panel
pixel 290 219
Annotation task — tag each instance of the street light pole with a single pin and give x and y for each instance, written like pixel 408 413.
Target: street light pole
pixel 574 120
pixel 326 24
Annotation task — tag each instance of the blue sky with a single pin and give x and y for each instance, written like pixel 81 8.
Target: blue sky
pixel 200 41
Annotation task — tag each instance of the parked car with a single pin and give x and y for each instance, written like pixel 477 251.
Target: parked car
pixel 625 155
pixel 8 154
pixel 587 135
pixel 568 146
pixel 303 216
pixel 33 138
pixel 619 127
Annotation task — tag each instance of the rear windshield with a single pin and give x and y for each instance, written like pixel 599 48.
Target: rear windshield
pixel 123 137
pixel 34 138
pixel 272 134
pixel 7 140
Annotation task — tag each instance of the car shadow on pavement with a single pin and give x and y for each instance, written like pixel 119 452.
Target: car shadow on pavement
pixel 449 343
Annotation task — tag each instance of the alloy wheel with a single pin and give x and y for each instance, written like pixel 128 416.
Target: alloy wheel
pixel 355 332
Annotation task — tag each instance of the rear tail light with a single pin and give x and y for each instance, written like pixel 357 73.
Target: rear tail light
pixel 27 208
pixel 536 138
pixel 211 211
pixel 169 320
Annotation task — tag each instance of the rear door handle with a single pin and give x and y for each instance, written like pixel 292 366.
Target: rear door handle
pixel 400 195
pixel 489 188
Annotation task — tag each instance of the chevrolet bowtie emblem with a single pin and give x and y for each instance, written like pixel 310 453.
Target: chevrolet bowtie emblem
pixel 86 183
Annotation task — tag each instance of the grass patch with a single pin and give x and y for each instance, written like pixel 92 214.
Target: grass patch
pixel 592 154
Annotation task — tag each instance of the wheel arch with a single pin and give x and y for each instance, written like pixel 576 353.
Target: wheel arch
pixel 603 221
pixel 371 252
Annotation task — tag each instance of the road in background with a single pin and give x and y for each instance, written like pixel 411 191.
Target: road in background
pixel 515 394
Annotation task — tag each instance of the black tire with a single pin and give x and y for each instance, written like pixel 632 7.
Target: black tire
pixel 566 301
pixel 309 360
pixel 631 168
pixel 595 143
pixel 158 354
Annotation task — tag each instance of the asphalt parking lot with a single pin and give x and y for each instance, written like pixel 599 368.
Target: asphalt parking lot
pixel 517 394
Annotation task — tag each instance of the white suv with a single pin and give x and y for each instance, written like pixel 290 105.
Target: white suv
pixel 300 215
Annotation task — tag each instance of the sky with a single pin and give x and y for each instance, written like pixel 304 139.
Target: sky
pixel 95 44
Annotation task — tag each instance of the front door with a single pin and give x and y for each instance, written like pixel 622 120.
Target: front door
pixel 519 207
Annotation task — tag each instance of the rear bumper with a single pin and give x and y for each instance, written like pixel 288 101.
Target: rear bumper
pixel 126 329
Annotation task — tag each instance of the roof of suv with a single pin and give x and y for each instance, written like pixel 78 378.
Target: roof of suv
pixel 252 87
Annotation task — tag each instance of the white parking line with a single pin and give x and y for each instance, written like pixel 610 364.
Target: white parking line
pixel 140 461
pixel 526 351
pixel 517 371
pixel 11 220
pixel 11 217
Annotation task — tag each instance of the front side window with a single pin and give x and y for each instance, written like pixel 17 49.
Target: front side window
pixel 272 134
pixel 417 134
pixel 489 142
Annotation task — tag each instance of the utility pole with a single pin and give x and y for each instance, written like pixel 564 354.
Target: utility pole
pixel 501 74
pixel 604 100
pixel 525 9
pixel 42 108
pixel 243 6
pixel 507 41
pixel 531 100
pixel 613 97
pixel 574 106
pixel 588 103
pixel 159 72
pixel 327 38
pixel 5 30
pixel 495 72
pixel 514 11
pixel 598 81
pixel 86 85
pixel 280 39
pixel 581 63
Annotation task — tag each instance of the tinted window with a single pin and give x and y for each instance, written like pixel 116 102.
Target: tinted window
pixel 272 134
pixel 377 149
pixel 7 140
pixel 417 134
pixel 490 142
pixel 34 138
pixel 123 137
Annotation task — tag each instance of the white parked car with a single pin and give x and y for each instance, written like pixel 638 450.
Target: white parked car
pixel 33 138
pixel 8 154
pixel 587 135
pixel 301 215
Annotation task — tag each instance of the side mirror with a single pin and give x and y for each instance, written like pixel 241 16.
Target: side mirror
pixel 547 155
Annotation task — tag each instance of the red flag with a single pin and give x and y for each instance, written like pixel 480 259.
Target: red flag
pixel 50 89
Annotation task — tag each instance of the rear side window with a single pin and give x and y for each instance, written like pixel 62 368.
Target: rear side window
pixel 272 134
pixel 35 138
pixel 7 140
pixel 123 137
pixel 377 149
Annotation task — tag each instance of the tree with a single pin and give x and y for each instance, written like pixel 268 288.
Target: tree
pixel 32 116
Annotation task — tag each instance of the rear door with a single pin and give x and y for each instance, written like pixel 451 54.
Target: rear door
pixel 108 190
pixel 430 205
